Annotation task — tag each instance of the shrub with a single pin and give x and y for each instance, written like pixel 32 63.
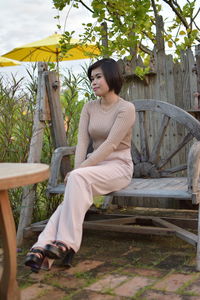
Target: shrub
pixel 17 105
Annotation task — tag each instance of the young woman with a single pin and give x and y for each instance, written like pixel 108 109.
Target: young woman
pixel 108 122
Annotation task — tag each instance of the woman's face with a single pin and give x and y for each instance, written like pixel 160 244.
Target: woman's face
pixel 98 82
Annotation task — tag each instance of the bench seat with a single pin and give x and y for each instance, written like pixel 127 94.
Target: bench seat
pixel 156 187
pixel 151 187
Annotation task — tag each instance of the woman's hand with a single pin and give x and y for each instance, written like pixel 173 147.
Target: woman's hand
pixel 66 177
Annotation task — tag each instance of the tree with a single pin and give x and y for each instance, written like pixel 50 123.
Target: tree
pixel 128 27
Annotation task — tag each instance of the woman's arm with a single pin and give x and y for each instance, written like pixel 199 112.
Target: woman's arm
pixel 83 137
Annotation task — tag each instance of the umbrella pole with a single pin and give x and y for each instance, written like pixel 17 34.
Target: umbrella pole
pixel 57 63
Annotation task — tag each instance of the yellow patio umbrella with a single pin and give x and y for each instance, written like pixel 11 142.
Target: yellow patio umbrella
pixel 49 50
pixel 5 62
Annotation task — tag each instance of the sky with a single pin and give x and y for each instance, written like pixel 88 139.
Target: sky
pixel 26 21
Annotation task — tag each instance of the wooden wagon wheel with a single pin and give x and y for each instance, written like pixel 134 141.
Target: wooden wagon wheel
pixel 151 164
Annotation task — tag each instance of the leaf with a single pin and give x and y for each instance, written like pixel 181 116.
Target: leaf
pixel 170 44
pixel 132 17
pixel 195 31
pixel 182 32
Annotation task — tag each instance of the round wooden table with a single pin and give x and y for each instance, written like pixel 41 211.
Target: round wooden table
pixel 14 175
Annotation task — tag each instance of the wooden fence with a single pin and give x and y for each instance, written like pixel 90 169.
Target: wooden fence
pixel 170 81
pixel 174 82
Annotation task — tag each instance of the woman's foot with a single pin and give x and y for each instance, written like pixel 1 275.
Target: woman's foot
pixel 55 250
pixel 67 260
pixel 34 259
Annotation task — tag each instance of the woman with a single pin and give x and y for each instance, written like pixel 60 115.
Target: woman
pixel 108 122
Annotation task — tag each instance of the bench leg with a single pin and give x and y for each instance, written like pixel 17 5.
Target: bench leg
pixel 198 241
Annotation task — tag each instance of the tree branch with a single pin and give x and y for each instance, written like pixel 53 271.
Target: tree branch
pixel 115 14
pixel 183 20
pixel 147 35
pixel 145 49
pixel 196 25
pixel 192 19
pixel 92 11
pixel 154 7
pixel 86 6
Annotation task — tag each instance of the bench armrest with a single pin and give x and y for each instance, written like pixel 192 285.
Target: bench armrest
pixel 194 172
pixel 57 157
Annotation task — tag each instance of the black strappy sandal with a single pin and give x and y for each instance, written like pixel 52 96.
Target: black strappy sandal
pixel 34 259
pixel 55 250
pixel 67 260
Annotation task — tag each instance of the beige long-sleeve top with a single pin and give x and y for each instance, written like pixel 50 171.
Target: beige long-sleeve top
pixel 109 130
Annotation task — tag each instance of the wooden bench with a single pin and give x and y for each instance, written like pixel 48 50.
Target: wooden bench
pixel 155 174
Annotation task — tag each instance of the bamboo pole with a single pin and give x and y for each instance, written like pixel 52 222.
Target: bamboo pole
pixel 33 157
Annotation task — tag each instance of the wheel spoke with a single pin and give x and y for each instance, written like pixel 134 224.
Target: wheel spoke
pixel 156 149
pixel 173 170
pixel 135 153
pixel 184 141
pixel 143 137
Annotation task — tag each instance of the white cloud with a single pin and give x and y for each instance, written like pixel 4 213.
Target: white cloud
pixel 26 21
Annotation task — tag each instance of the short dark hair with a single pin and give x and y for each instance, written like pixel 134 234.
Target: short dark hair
pixel 110 71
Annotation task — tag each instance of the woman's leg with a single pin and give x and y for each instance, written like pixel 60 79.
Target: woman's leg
pixel 65 224
pixel 82 185
pixel 50 231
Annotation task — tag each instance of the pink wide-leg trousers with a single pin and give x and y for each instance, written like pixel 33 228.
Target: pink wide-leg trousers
pixel 67 221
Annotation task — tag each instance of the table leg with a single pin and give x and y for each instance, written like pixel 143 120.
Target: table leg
pixel 8 286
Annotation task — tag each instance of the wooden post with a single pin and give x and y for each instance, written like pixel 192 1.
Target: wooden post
pixel 34 157
pixel 160 58
pixel 104 37
pixel 198 241
pixel 133 53
pixel 160 43
pixel 57 118
pixel 197 94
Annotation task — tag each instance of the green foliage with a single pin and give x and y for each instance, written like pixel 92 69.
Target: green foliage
pixel 51 66
pixel 86 85
pixel 183 27
pixel 98 201
pixel 76 90
pixel 126 21
pixel 141 72
pixel 131 24
pixel 16 114
pixel 65 44
pixel 72 105
pixel 17 107
pixel 60 4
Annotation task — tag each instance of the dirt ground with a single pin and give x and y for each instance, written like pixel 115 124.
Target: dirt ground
pixel 117 266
